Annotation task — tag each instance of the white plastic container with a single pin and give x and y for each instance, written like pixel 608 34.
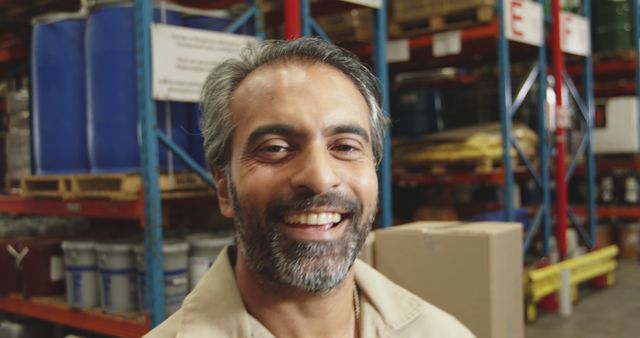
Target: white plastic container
pixel 205 248
pixel 81 273
pixel 117 281
pixel 176 282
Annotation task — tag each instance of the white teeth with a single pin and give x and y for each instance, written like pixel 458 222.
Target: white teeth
pixel 314 218
pixel 323 218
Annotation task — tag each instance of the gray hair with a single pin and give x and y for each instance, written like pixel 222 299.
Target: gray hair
pixel 216 124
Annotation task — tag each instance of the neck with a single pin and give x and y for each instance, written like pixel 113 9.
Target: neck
pixel 291 312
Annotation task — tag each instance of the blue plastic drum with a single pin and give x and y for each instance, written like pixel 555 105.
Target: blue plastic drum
pixel 113 130
pixel 59 104
pixel 207 20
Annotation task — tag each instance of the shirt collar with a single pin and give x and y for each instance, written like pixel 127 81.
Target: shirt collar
pixel 215 308
pixel 390 303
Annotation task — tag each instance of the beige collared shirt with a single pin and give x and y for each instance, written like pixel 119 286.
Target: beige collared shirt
pixel 215 309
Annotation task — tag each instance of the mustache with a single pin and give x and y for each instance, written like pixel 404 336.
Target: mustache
pixel 305 200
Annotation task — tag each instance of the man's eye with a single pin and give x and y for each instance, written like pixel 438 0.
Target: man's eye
pixel 274 149
pixel 347 150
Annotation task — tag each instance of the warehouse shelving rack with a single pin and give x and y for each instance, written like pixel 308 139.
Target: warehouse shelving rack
pixel 149 150
pixel 508 109
pixel 147 209
pixel 495 32
pixel 618 68
pixel 480 37
pixel 615 69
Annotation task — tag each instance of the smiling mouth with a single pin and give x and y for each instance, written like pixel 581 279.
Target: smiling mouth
pixel 321 220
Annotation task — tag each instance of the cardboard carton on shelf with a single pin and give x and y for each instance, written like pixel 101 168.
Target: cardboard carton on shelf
pixel 471 270
pixel 630 241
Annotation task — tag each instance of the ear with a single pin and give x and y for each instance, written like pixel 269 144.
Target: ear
pixel 224 197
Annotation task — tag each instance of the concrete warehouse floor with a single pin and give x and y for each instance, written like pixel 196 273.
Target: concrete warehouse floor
pixel 609 313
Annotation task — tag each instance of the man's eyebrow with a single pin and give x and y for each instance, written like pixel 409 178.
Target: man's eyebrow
pixel 276 128
pixel 350 129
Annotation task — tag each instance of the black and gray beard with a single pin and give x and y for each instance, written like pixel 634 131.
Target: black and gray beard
pixel 312 266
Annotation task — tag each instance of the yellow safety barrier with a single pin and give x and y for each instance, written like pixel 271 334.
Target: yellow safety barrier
pixel 545 281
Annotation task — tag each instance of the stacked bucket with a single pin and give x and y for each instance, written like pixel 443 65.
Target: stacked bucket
pixel 112 276
pixel 84 90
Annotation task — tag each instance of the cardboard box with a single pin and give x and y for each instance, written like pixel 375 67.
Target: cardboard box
pixel 603 235
pixel 415 10
pixel 471 270
pixel 630 241
pixel 355 25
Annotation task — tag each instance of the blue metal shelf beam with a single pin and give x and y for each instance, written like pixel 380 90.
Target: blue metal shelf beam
pixel 586 112
pixel 149 165
pixel 508 109
pixel 149 151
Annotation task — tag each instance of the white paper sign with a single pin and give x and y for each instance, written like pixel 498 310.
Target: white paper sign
pixel 398 51
pixel 447 43
pixel 574 34
pixel 523 21
pixel 183 57
pixel 368 3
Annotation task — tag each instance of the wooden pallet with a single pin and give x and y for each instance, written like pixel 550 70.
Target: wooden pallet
pixel 12 185
pixel 624 55
pixel 435 23
pixel 116 186
pixel 52 186
pixel 129 186
pixel 484 165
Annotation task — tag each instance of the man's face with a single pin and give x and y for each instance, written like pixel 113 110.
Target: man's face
pixel 301 184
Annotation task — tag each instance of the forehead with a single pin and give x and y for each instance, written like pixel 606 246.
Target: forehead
pixel 306 95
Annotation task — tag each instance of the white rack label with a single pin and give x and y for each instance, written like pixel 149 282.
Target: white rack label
pixel 523 21
pixel 183 57
pixel 398 51
pixel 447 43
pixel 368 3
pixel 575 34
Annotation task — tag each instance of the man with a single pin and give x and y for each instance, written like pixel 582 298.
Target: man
pixel 293 131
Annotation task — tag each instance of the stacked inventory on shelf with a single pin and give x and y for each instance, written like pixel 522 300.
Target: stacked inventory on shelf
pixel 77 105
pixel 17 138
pixel 92 119
pixel 101 274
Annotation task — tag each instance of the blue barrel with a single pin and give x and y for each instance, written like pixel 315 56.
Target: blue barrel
pixel 112 96
pixel 59 104
pixel 213 21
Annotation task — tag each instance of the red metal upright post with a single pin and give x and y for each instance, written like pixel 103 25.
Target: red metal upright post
pixel 292 22
pixel 561 184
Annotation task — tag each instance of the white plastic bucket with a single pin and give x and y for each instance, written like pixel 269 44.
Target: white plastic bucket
pixel 176 282
pixel 205 248
pixel 81 273
pixel 117 281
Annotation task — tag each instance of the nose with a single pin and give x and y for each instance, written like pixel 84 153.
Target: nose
pixel 315 171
